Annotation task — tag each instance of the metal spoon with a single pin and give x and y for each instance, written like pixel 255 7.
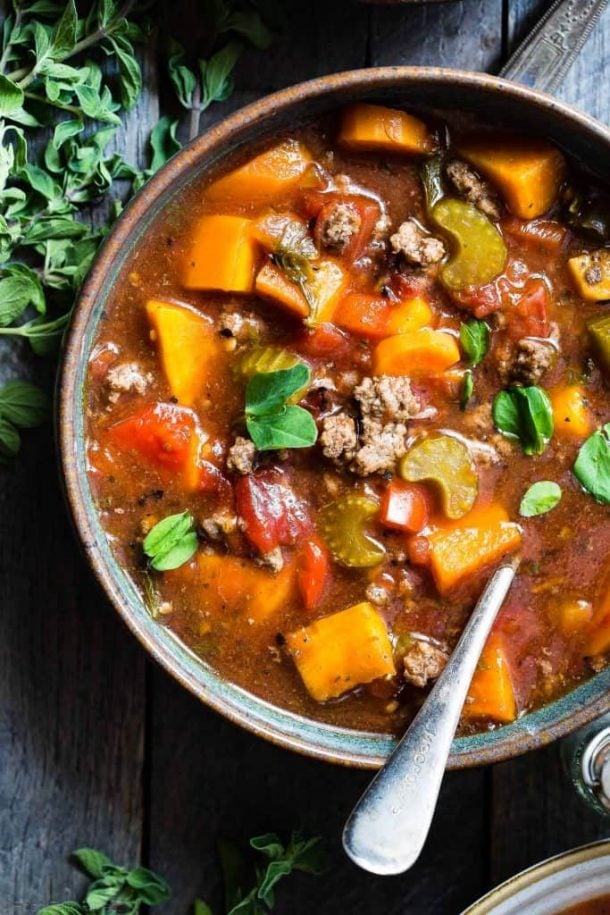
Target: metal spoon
pixel 388 827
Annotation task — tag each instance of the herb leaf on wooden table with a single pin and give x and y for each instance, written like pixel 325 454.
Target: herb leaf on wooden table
pixel 52 76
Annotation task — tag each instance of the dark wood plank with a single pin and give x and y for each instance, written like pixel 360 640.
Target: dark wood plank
pixel 457 34
pixel 210 779
pixel 72 685
pixel 585 84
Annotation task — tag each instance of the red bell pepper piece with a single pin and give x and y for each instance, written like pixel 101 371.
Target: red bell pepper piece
pixel 404 507
pixel 273 514
pixel 312 571
pixel 528 316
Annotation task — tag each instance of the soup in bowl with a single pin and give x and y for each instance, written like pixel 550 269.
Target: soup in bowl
pixel 332 369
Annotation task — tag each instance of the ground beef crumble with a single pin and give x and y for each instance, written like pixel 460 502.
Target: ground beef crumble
pixel 416 245
pixel 377 438
pixel 241 456
pixel 126 378
pixel 473 188
pixel 339 228
pixel 525 362
pixel 423 662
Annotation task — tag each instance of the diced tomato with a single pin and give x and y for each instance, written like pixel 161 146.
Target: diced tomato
pixel 404 507
pixel 323 340
pixel 543 233
pixel 312 571
pixel 170 438
pixel 403 286
pixel 418 549
pixel 480 300
pixel 272 513
pixel 211 479
pixel 528 316
pixel 321 206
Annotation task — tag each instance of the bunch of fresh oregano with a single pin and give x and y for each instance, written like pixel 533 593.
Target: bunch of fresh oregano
pixel 248 889
pixel 60 112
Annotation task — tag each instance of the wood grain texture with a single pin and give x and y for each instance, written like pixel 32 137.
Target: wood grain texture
pixel 585 85
pixel 463 34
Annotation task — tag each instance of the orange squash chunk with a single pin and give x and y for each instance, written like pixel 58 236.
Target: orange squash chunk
pixel 273 284
pixel 527 171
pixel 570 413
pixel 463 548
pixel 264 179
pixel 422 352
pixel 491 693
pixel 599 639
pixel 222 256
pixel 374 316
pixel 187 346
pixel 374 127
pixel 234 585
pixel 339 652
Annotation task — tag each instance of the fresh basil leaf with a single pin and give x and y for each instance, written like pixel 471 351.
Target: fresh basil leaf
pixel 10 440
pixel 234 873
pixel 164 142
pixel 248 24
pixel 525 414
pixel 540 498
pixel 592 465
pixel 268 391
pixel 93 862
pixel 64 36
pixel 130 84
pixel 467 389
pixel 11 96
pixel 171 542
pixel 23 404
pixel 293 427
pixel 474 337
pixel 16 293
pixel 152 889
pixel 216 73
pixel 182 77
pixel 102 892
pixel 306 855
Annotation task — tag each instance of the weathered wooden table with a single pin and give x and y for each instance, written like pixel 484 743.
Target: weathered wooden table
pixel 100 747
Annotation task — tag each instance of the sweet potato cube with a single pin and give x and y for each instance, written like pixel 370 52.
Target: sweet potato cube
pixel 491 693
pixel 527 171
pixel 188 347
pixel 599 638
pixel 570 412
pixel 273 284
pixel 461 549
pixel 232 585
pixel 222 256
pixel 342 651
pixel 421 352
pixel 591 275
pixel 574 616
pixel 374 127
pixel 264 179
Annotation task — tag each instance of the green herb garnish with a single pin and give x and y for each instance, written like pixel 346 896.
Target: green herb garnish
pixel 271 421
pixel 467 389
pixel 540 498
pixel 592 465
pixel 474 337
pixel 248 890
pixel 113 888
pixel 22 406
pixel 431 174
pixel 171 542
pixel 525 414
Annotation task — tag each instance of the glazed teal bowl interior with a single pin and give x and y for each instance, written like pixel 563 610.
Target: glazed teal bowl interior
pixel 486 99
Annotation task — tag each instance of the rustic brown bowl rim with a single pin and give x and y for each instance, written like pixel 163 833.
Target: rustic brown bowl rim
pixel 582 705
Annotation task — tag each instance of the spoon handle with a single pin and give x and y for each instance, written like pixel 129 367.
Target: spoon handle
pixel 551 48
pixel 388 826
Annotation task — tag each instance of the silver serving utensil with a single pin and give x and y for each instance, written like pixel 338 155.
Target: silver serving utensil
pixel 388 827
pixel 548 52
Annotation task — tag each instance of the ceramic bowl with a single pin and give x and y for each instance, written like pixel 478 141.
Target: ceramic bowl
pixel 549 888
pixel 487 98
